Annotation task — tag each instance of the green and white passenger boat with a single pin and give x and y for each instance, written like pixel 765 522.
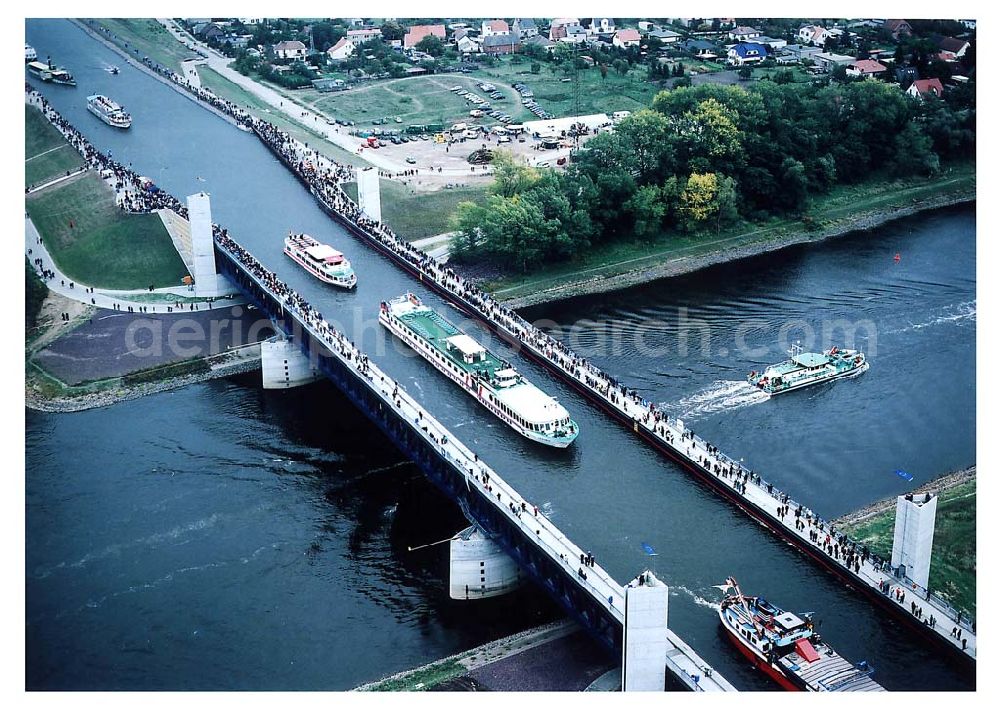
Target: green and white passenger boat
pixel 488 378
pixel 808 368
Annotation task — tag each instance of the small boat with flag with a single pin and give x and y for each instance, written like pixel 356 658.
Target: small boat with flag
pixel 320 261
pixel 807 368
pixel 111 113
pixel 48 72
pixel 786 647
pixel 490 380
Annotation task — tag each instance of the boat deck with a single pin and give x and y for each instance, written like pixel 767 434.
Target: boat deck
pixel 437 330
pixel 832 673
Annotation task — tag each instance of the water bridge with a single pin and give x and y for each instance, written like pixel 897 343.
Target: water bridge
pixel 587 592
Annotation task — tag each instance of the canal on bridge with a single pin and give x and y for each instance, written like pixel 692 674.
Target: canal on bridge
pixel 609 493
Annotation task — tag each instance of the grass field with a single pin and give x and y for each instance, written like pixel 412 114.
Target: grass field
pixel 46 153
pixel 105 247
pixel 827 211
pixel 414 215
pixel 150 38
pixel 953 560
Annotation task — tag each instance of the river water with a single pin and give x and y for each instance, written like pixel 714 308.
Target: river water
pixel 222 537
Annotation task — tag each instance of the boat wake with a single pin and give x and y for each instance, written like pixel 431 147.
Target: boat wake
pixel 959 313
pixel 717 397
pixel 698 599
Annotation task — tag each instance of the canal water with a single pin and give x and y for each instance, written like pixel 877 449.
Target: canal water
pixel 222 537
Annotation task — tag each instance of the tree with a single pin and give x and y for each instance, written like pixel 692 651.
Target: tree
pixel 794 184
pixel 511 175
pixel 536 67
pixel 726 199
pixel 620 66
pixel 650 138
pixel 647 209
pixel 746 72
pixel 914 153
pixel 325 35
pixel 432 45
pixel 393 30
pixel 604 71
pixel 698 201
pixel 711 129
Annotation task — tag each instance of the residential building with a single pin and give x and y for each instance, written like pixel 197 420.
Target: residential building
pixel 906 75
pixel 746 53
pixel 744 34
pixel 665 36
pixel 815 35
pixel 290 49
pixel 539 41
pixel 507 43
pixel 702 49
pixel 826 61
pixel 467 45
pixel 342 50
pixel 865 68
pixel 364 34
pixel 952 48
pixel 626 38
pixel 799 52
pixel 419 32
pixel 494 27
pixel 525 27
pixel 926 87
pixel 601 26
pixel 568 33
pixel 774 43
pixel 898 28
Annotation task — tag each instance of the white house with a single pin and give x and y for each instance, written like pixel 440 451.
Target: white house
pixel 290 49
pixel 525 27
pixel 494 27
pixel 743 34
pixel 601 25
pixel 813 35
pixel 626 38
pixel 342 50
pixel 363 35
pixel 467 45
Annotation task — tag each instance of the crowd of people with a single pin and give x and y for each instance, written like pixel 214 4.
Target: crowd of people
pixel 325 179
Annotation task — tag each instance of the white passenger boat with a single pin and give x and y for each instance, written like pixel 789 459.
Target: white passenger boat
pixel 486 377
pixel 108 111
pixel 808 368
pixel 320 261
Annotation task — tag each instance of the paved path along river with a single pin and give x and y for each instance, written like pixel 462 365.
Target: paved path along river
pixel 311 473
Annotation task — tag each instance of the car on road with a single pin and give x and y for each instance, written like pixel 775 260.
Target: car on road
pixel 411 160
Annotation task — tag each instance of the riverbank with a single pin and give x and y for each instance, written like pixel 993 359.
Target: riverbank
pixel 953 562
pixel 612 276
pixel 552 657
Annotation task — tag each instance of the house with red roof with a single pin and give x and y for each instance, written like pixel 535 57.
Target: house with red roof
pixel 865 68
pixel 626 38
pixel 494 27
pixel 290 49
pixel 418 32
pixel 925 87
pixel 898 28
pixel 814 35
pixel 342 50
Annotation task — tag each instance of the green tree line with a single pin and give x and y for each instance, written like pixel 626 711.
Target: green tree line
pixel 702 158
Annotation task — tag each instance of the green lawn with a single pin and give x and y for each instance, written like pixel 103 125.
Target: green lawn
pixel 105 247
pixel 953 560
pixel 414 215
pixel 46 153
pixel 151 39
pixel 826 211
pixel 586 93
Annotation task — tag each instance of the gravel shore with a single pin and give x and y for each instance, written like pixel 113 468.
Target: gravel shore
pixel 597 285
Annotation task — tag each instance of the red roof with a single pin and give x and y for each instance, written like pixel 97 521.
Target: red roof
pixel 498 26
pixel 925 86
pixel 419 32
pixel 868 66
pixel 951 44
pixel 628 35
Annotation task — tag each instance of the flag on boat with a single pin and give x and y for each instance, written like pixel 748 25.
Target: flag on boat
pixel 904 475
pixel 648 548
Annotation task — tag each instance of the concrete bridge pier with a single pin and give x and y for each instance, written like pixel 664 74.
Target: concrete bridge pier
pixel 644 649
pixel 207 280
pixel 284 366
pixel 369 193
pixel 479 567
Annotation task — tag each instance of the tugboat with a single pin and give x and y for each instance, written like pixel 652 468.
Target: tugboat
pixel 108 111
pixel 48 72
pixel 320 261
pixel 808 368
pixel 786 647
pixel 486 377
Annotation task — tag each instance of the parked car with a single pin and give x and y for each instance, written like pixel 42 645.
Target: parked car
pixel 411 160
